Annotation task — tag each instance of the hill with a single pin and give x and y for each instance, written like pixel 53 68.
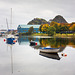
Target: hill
pixel 37 21
pixel 59 19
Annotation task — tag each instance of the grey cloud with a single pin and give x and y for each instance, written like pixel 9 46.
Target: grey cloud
pixel 26 10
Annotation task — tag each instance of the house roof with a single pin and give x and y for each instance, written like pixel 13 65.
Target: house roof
pixel 28 26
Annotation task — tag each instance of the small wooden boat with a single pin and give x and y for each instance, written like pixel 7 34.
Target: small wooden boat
pixel 49 50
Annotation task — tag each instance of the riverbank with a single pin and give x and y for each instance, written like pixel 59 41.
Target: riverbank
pixel 39 34
pixel 64 35
pixel 56 35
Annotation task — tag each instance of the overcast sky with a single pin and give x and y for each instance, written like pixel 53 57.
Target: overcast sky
pixel 24 11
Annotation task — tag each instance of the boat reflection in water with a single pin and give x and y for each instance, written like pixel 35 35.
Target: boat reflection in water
pixel 50 55
pixel 10 42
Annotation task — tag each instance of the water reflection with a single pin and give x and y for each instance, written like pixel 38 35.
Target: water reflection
pixel 10 42
pixel 60 43
pixel 28 60
pixel 50 55
pixel 24 40
pixel 44 42
pixel 57 42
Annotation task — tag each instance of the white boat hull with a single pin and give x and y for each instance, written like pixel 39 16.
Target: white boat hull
pixel 49 50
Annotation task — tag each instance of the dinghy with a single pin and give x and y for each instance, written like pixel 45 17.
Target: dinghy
pixel 49 50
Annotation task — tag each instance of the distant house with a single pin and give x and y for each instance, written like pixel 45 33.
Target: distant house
pixel 3 32
pixel 25 28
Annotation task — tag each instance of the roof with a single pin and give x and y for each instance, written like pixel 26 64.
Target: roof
pixel 28 26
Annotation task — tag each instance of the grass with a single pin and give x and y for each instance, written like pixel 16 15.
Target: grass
pixel 39 34
pixel 64 35
pixel 56 35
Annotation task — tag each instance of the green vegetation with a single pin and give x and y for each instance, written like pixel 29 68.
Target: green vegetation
pixel 55 28
pixel 37 21
pixel 30 31
pixel 51 30
pixel 39 34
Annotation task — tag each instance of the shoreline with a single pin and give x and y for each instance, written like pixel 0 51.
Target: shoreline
pixel 57 35
pixel 54 36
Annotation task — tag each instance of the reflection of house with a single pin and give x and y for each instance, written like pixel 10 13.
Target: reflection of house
pixel 25 28
pixel 22 40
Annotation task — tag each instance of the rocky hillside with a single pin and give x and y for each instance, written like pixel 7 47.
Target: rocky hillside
pixel 59 19
pixel 37 21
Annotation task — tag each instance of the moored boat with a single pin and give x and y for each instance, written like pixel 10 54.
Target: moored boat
pixel 49 50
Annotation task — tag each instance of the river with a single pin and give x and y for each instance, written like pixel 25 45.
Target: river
pixel 23 59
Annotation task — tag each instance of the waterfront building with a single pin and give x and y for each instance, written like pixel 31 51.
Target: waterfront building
pixel 25 28
pixel 3 31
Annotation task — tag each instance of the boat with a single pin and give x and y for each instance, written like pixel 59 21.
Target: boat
pixel 9 35
pixel 33 43
pixel 49 50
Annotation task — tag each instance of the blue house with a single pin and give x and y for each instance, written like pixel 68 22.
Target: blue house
pixel 25 28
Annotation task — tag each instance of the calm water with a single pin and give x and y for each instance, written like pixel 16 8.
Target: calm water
pixel 22 59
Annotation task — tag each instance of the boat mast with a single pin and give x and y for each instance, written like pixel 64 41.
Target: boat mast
pixel 11 19
pixel 7 24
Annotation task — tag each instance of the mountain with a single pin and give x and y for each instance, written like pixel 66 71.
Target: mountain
pixel 59 19
pixel 37 21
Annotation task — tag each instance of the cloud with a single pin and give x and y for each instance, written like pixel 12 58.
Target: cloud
pixel 26 10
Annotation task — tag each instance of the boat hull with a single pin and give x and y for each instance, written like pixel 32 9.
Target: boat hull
pixel 10 40
pixel 49 50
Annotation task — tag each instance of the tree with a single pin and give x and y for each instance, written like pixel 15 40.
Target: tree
pixel 51 30
pixel 30 31
pixel 72 28
pixel 40 28
pixel 64 28
pixel 43 28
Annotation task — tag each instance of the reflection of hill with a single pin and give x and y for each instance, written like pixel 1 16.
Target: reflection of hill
pixel 52 56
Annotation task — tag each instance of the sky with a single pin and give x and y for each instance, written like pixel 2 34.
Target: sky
pixel 24 11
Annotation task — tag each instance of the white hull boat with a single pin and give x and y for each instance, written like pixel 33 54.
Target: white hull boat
pixel 49 50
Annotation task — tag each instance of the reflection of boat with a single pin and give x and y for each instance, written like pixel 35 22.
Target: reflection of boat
pixel 10 42
pixel 50 55
pixel 33 43
pixel 49 50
